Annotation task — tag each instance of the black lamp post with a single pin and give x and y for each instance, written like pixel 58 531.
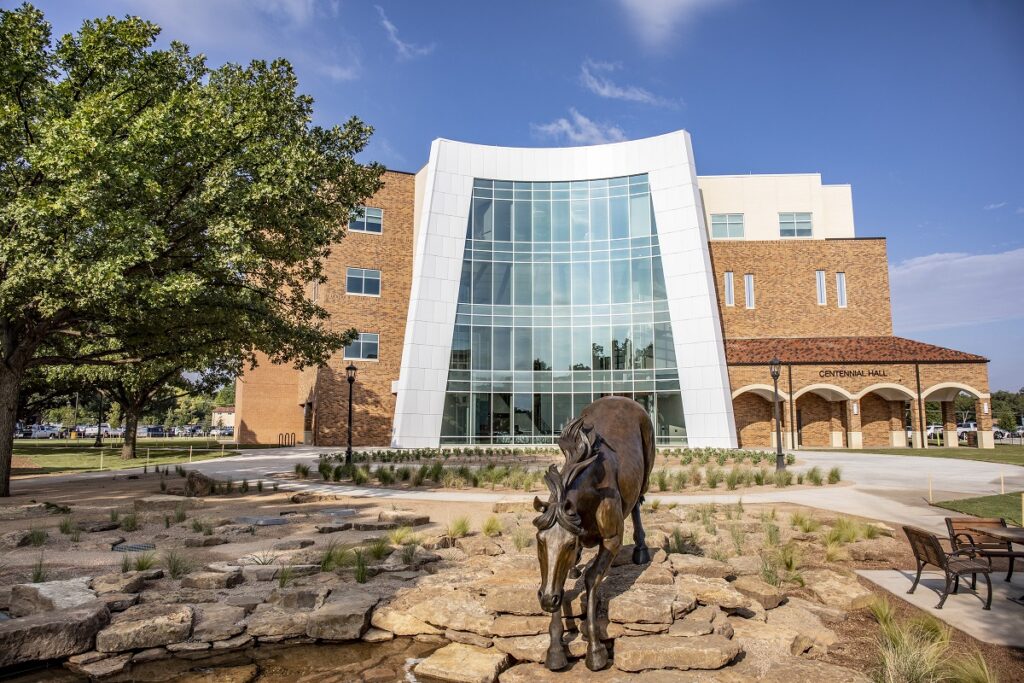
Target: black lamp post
pixel 350 372
pixel 775 368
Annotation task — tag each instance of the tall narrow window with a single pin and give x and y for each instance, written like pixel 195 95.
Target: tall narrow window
pixel 841 289
pixel 819 276
pixel 748 290
pixel 730 289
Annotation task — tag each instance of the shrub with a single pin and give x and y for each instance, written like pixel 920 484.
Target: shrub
pixel 458 527
pixel 790 459
pixel 714 477
pixel 418 476
pixel 759 476
pixel 696 475
pixel 244 488
pixel 492 526
pixel 971 669
pixel 385 476
pixel 179 513
pixel 846 530
pixel 783 479
pixel 733 478
pixel 408 553
pixel 177 565
pixel 870 531
pixel 360 476
pixel 39 571
pixel 814 476
pixel 834 475
pixel 435 472
pixel 335 556
pixel 324 468
pixel 799 477
pixel 679 480
pixel 914 650
pixel 403 473
pixel 37 536
pixel 678 542
pixel 804 522
pixel 360 563
pixel 834 552
pixel 126 563
pixel 163 485
pixel 259 486
pixel 772 534
pixel 301 470
pixel 662 480
pixel 67 525
pixel 522 538
pixel 738 536
pixel 130 522
pixel 144 561
pixel 379 548
pixel 655 504
pixel 401 536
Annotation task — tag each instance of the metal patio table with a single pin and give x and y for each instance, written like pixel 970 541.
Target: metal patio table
pixel 1009 534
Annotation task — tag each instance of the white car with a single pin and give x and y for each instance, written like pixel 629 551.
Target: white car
pixel 933 430
pixel 45 432
pixel 963 429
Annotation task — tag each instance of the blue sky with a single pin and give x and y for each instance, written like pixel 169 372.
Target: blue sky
pixel 918 104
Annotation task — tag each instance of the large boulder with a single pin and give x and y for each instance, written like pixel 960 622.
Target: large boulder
pixel 711 591
pixel 212 580
pixel 768 595
pixel 457 610
pixel 51 635
pixel 198 484
pixel 15 539
pixel 462 663
pixel 32 598
pixel 147 625
pixel 218 622
pixel 298 598
pixel 346 616
pixel 766 644
pixel 128 582
pixel 271 622
pixel 837 590
pixel 478 545
pixel 882 549
pixel 640 653
pixel 804 622
pixel 525 648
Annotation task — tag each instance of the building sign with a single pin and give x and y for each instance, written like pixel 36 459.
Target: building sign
pixel 843 372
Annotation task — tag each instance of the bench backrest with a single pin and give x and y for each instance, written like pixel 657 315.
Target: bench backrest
pixel 963 525
pixel 925 546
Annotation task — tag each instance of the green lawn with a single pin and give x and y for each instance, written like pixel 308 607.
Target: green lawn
pixel 56 456
pixel 1008 455
pixel 1006 505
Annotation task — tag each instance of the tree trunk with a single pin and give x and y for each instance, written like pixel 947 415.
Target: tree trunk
pixel 131 424
pixel 10 382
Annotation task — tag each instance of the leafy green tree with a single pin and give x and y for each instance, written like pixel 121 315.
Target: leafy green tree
pixel 226 395
pixel 147 199
pixel 1006 419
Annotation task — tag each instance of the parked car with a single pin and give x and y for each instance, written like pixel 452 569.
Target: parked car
pixel 933 430
pixel 151 430
pixel 964 427
pixel 222 431
pixel 1000 434
pixel 104 429
pixel 45 432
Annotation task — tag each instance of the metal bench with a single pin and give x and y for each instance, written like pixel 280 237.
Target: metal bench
pixel 927 550
pixel 966 533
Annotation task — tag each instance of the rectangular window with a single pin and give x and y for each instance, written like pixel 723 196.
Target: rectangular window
pixel 362 281
pixel 795 224
pixel 819 276
pixel 368 219
pixel 841 289
pixel 726 226
pixel 364 347
pixel 730 287
pixel 748 290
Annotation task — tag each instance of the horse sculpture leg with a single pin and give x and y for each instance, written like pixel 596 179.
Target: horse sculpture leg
pixel 597 653
pixel 641 555
pixel 557 658
pixel 575 572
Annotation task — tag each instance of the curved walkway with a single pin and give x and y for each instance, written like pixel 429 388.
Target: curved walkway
pixel 888 487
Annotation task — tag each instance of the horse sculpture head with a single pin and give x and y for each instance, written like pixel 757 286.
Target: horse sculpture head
pixel 559 525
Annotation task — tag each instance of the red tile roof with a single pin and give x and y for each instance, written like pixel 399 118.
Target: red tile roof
pixel 815 350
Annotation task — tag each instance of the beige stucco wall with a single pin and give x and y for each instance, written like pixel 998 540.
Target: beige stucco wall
pixel 760 198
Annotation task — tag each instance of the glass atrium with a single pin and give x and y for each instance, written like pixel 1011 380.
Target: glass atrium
pixel 561 301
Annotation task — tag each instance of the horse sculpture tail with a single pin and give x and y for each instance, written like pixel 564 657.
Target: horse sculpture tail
pixel 647 439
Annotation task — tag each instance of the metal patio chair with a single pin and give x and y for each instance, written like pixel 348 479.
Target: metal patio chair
pixel 964 534
pixel 927 550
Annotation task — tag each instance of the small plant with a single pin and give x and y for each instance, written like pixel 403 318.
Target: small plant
pixel 259 486
pixel 846 530
pixel 130 522
pixel 262 558
pixel 783 479
pixel 790 459
pixel 56 508
pixel 385 476
pixel 714 477
pixel 661 480
pixel 360 567
pixel 244 488
pixel 37 536
pixel 360 476
pixel 655 504
pixel 408 553
pixel 870 531
pixel 335 556
pixel 814 476
pixel 301 470
pixel 179 513
pixel 834 475
pixel 678 542
pixel 177 565
pixel 126 563
pixel 379 548
pixel 67 525
pixel 144 561
pixel 403 473
pixel 458 527
pixel 772 534
pixel 804 522
pixel 285 576
pixel 491 526
pixel 522 538
pixel 800 478
pixel 114 514
pixel 759 476
pixel 738 536
pixel 834 552
pixel 418 476
pixel 163 485
pixel 733 478
pixel 76 535
pixel 401 536
pixel 39 570
pixel 167 522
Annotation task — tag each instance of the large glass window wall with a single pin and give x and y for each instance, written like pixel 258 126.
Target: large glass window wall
pixel 562 300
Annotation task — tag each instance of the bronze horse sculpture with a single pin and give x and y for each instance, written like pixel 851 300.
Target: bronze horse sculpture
pixel 609 453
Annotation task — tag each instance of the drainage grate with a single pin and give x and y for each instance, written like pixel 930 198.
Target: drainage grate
pixel 261 521
pixel 338 512
pixel 132 547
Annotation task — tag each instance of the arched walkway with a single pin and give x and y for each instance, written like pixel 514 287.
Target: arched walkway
pixel 881 421
pixel 948 391
pixel 754 415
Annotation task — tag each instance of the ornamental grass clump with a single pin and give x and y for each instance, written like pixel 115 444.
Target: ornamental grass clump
pixel 662 480
pixel 402 535
pixel 491 526
pixel 834 475
pixel 458 527
pixel 301 470
pixel 143 561
pixel 522 538
pixel 814 476
pixel 783 479
pixel 177 565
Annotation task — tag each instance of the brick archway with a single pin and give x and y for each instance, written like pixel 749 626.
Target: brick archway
pixel 879 418
pixel 754 422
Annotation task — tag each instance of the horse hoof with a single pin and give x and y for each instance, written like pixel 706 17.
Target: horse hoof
pixel 556 660
pixel 597 658
pixel 641 555
pixel 575 573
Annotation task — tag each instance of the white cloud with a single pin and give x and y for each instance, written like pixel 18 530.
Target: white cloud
pixel 593 78
pixel 657 20
pixel 993 207
pixel 405 50
pixel 954 289
pixel 579 130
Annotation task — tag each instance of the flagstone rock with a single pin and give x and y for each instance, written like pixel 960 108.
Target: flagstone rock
pixel 829 615
pixel 119 602
pixel 293 544
pixel 837 590
pixel 478 545
pixel 401 623
pixel 52 634
pixel 346 616
pixel 97 527
pixel 800 669
pixel 640 653
pixel 188 646
pixel 456 610
pixel 166 503
pixel 655 575
pixel 744 565
pixel 273 621
pixel 699 622
pixel 804 622
pixel 712 591
pixel 525 648
pixel 15 539
pixel 152 654
pixel 377 635
pixel 238 642
pixel 212 580
pixel 101 668
pixel 403 518
pixel 767 595
pixel 695 565
pixel 882 549
pixel 766 644
pixel 298 598
pixel 143 626
pixel 509 625
pixel 218 622
pixel 128 582
pixel 462 663
pixel 32 598
pixel 648 604
pixel 467 638
pixel 205 541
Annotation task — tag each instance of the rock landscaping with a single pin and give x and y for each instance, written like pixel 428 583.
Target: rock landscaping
pixel 730 595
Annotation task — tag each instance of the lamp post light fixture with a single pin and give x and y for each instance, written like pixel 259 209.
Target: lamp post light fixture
pixel 350 373
pixel 775 368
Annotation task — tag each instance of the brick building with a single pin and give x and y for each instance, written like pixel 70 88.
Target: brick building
pixel 498 291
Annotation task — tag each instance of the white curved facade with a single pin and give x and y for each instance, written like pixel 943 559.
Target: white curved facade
pixel 444 191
